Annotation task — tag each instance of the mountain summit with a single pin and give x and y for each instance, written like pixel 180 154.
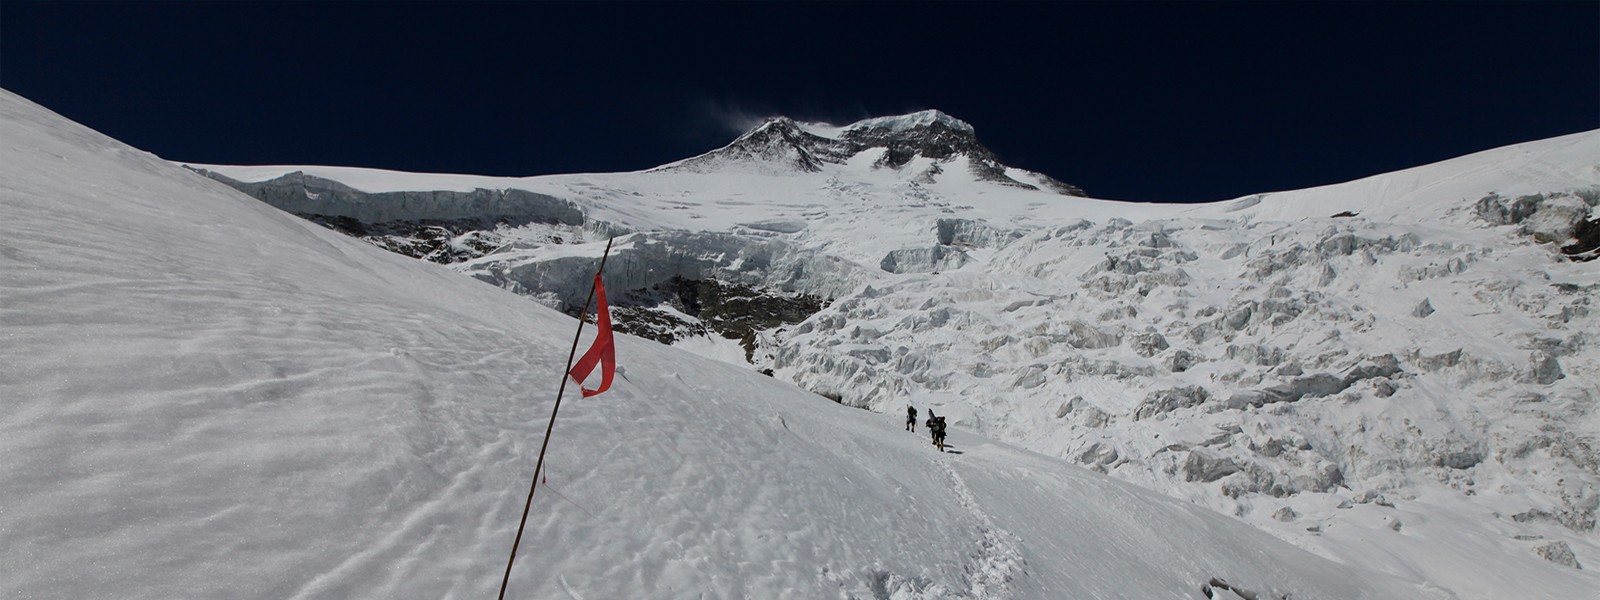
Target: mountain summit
pixel 784 145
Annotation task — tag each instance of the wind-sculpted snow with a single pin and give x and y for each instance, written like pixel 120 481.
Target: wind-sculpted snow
pixel 206 397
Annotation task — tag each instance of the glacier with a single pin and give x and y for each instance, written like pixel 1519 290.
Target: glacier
pixel 208 397
pixel 1267 358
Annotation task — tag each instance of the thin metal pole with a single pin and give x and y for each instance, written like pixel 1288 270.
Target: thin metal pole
pixel 539 466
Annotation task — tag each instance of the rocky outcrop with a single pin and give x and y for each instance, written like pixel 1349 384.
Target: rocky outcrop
pixel 1559 553
pixel 779 143
pixel 733 311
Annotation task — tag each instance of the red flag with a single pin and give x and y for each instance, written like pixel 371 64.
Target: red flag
pixel 603 351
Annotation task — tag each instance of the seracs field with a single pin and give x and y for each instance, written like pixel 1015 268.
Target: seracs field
pixel 1380 389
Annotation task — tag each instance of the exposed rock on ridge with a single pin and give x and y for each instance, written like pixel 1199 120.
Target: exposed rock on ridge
pixel 782 144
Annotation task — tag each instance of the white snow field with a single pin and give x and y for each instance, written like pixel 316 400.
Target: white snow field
pixel 1397 372
pixel 204 397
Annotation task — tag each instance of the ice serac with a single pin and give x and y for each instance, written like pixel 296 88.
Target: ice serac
pixel 681 284
pixel 304 194
pixel 443 226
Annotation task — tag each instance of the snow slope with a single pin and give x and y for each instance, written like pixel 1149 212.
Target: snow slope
pixel 1395 372
pixel 206 397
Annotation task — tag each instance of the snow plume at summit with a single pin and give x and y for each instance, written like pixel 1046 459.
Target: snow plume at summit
pixel 240 381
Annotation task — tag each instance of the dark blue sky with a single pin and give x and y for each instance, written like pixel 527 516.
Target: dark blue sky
pixel 1145 101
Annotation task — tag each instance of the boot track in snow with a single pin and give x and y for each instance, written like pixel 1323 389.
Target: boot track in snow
pixel 999 554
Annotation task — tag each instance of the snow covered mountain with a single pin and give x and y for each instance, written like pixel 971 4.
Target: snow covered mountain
pixel 782 146
pixel 1396 373
pixel 207 397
